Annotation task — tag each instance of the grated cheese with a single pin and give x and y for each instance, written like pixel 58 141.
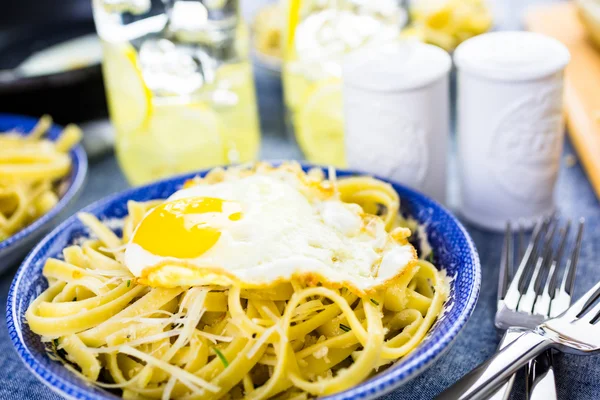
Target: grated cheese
pixel 134 343
pixel 322 352
pixel 176 372
pixel 261 340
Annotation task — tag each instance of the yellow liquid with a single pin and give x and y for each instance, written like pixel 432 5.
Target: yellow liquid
pixel 159 136
pixel 314 108
pixel 317 39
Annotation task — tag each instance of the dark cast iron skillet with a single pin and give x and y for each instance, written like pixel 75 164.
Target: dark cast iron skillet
pixel 28 26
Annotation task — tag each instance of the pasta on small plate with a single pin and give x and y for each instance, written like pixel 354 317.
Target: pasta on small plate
pixel 260 281
pixel 42 168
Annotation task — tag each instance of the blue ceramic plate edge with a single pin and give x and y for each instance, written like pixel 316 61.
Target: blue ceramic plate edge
pixel 35 373
pixel 374 387
pixel 22 351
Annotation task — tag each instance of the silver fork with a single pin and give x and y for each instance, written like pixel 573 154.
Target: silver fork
pixel 535 300
pixel 554 301
pixel 575 331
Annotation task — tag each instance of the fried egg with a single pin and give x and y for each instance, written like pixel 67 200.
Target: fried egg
pixel 260 230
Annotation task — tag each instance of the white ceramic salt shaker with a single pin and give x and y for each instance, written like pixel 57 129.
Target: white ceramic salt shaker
pixel 510 126
pixel 396 113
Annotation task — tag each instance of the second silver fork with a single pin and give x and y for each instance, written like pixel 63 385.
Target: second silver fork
pixel 533 295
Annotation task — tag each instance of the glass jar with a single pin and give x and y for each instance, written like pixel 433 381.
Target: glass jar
pixel 179 85
pixel 317 36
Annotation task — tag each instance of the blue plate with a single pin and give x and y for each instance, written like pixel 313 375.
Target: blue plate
pixel 454 252
pixel 15 247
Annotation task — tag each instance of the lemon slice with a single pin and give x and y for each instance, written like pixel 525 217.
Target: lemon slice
pixel 129 100
pixel 297 88
pixel 189 132
pixel 320 125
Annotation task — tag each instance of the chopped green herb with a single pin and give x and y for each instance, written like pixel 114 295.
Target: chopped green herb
pixel 431 285
pixel 430 256
pixel 59 352
pixel 345 328
pixel 375 302
pixel 128 283
pixel 221 357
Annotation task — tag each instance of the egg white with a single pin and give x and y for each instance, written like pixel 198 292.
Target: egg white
pixel 282 234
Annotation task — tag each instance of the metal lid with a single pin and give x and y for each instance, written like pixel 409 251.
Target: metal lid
pixel 512 56
pixel 400 65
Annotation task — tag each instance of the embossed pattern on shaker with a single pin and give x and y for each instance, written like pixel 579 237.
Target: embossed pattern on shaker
pixel 413 153
pixel 526 145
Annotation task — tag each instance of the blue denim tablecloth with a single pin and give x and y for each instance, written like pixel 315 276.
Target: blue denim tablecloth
pixel 578 378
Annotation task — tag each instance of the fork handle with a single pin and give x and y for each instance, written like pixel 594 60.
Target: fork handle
pixel 489 376
pixel 510 336
pixel 540 378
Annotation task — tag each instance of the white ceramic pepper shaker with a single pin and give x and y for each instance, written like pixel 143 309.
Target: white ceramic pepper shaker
pixel 510 126
pixel 396 113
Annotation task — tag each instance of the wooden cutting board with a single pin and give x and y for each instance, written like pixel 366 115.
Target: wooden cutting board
pixel 582 80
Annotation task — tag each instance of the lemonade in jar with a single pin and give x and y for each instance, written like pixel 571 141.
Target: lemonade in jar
pixel 179 85
pixel 318 34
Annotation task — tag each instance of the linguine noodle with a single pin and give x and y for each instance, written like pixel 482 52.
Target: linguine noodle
pixel 29 167
pixel 289 341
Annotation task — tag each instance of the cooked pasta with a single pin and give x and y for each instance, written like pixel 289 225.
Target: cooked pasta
pixel 291 340
pixel 30 166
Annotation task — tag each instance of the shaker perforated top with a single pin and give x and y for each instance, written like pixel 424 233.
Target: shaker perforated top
pixel 399 65
pixel 512 56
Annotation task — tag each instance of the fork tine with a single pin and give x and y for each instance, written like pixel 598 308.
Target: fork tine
pixel 551 282
pixel 537 252
pixel 526 304
pixel 547 258
pixel 569 280
pixel 505 258
pixel 595 319
pixel 544 300
pixel 581 305
pixel 521 243
pixel 510 266
pixel 590 315
pixel 513 294
pixel 561 300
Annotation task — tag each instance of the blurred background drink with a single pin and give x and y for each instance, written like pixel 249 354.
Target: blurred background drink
pixel 319 33
pixel 179 85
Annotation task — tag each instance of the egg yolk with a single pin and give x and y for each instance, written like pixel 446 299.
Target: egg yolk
pixel 179 228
